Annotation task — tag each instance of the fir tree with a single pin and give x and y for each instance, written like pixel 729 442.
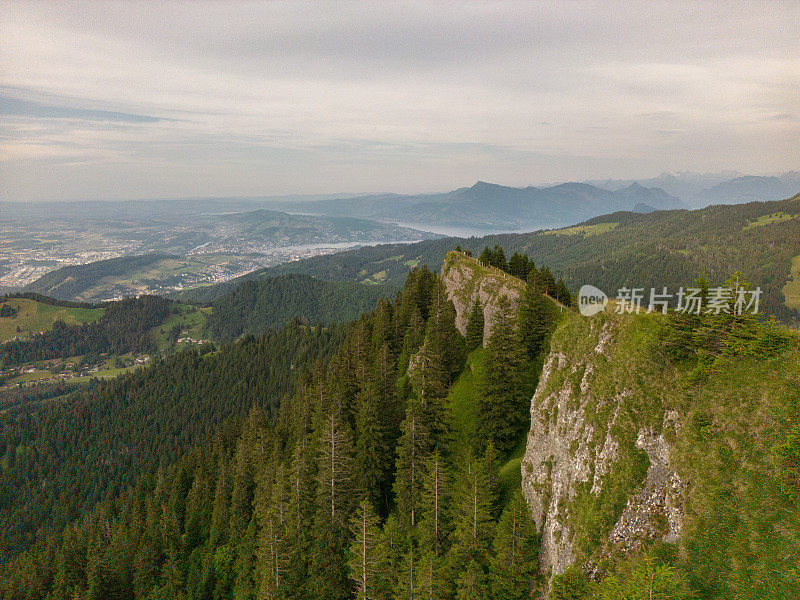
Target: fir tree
pixel 502 405
pixel 335 476
pixel 372 465
pixel 412 451
pixel 499 258
pixel 547 283
pixel 365 558
pixel 536 314
pixel 518 265
pixel 514 562
pixel 435 504
pixel 562 293
pixel 486 257
pixel 475 324
pixel 472 513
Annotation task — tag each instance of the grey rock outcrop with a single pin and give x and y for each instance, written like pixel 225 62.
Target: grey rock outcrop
pixel 466 279
pixel 569 451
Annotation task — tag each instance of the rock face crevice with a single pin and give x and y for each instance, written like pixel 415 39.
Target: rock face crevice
pixel 574 447
pixel 467 280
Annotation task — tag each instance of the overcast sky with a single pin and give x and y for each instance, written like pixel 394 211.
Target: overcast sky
pixel 138 100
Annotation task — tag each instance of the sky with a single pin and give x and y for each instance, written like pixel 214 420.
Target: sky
pixel 180 99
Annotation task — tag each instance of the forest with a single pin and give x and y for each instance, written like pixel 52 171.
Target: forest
pixel 374 460
pixel 363 482
pixel 663 248
pixel 122 328
pixel 255 306
pixel 62 457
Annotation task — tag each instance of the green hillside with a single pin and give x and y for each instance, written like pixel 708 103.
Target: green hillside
pixel 255 306
pixel 31 316
pixel 103 277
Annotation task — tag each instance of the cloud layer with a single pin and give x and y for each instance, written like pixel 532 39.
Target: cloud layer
pixel 126 100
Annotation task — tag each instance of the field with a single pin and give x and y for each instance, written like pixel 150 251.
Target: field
pixel 192 322
pixel 35 316
pixel 791 291
pixel 584 229
pixel 162 275
pixel 778 217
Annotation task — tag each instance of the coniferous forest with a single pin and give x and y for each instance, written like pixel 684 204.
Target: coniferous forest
pixel 64 456
pixel 359 484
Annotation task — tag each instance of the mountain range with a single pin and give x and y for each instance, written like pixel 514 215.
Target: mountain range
pixel 492 206
pixel 726 187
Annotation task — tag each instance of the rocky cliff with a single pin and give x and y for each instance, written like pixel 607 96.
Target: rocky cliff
pixel 466 279
pixel 597 471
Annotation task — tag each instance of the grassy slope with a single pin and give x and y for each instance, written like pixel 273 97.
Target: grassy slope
pixel 33 316
pixel 791 291
pixel 191 321
pixel 463 401
pixel 742 533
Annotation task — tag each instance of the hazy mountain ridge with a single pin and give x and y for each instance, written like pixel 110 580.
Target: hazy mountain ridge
pixel 727 187
pixel 491 205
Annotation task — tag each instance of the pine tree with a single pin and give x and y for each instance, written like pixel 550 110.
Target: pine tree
pixel 435 504
pixel 412 451
pixel 503 408
pixel 536 314
pixel 365 558
pixel 475 324
pixel 513 565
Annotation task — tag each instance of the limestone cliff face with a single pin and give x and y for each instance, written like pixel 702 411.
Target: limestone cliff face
pixel 596 472
pixel 466 279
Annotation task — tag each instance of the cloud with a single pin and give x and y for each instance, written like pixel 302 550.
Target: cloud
pixel 241 98
pixel 25 108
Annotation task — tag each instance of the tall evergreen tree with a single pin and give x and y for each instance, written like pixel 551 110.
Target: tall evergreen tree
pixel 486 257
pixel 413 449
pixel 503 408
pixel 335 495
pixel 499 258
pixel 514 563
pixel 365 558
pixel 518 265
pixel 535 314
pixel 435 505
pixel 562 293
pixel 475 325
